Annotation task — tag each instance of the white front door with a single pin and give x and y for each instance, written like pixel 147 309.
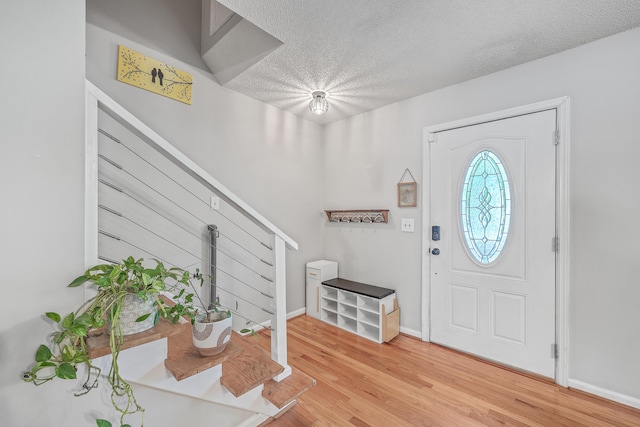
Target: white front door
pixel 492 273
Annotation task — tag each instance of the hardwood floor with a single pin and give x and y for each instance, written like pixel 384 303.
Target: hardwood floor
pixel 410 383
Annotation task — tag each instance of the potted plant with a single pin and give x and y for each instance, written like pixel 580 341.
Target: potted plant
pixel 211 331
pixel 116 284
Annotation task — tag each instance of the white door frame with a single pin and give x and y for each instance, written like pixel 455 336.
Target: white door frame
pixel 561 105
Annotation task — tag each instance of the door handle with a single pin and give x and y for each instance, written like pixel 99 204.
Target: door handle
pixel 435 251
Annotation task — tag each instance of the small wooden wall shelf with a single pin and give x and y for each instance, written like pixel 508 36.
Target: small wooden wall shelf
pixel 366 216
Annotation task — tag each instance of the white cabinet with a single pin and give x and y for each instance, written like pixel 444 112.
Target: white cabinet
pixel 317 272
pixel 358 308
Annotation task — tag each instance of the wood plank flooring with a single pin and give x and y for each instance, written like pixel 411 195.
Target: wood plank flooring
pixel 410 383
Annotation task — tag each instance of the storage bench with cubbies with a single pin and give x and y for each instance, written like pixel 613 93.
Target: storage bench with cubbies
pixel 369 311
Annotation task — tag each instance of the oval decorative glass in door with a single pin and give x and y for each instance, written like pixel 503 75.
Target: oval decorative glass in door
pixel 485 207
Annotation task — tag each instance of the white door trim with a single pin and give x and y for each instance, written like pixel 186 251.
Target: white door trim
pixel 561 105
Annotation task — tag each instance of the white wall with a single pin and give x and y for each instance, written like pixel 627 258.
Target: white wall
pixel 365 156
pixel 42 192
pixel 170 27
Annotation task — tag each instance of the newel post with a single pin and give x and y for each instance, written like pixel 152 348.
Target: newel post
pixel 279 318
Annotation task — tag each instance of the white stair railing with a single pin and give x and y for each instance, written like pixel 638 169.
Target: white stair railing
pixel 133 178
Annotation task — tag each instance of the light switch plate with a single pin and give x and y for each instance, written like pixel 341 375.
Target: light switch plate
pixel 408 225
pixel 215 203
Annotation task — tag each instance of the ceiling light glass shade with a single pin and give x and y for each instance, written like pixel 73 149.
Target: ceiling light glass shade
pixel 319 104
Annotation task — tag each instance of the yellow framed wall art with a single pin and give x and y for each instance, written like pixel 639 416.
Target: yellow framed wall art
pixel 147 73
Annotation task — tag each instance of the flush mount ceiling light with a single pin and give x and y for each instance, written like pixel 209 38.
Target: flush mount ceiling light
pixel 319 104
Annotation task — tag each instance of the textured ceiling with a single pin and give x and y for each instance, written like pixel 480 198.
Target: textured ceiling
pixel 371 53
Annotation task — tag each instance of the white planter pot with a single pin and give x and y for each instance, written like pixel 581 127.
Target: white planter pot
pixel 211 338
pixel 132 308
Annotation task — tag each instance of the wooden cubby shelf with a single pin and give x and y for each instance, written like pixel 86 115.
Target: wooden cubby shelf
pixel 369 311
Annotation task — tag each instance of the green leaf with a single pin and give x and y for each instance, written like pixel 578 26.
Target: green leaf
pixel 103 423
pixel 43 354
pixel 79 330
pixel 68 321
pixel 66 371
pixel 83 319
pixel 143 317
pixel 245 331
pixel 115 272
pixel 53 316
pixel 121 278
pixel 68 353
pixel 45 364
pixel 103 282
pixel 102 267
pixel 153 272
pixel 137 267
pixel 146 279
pixel 78 281
pixel 81 358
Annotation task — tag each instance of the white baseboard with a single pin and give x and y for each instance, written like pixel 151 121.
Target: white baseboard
pixel 296 313
pixel 291 315
pixel 412 332
pixel 607 394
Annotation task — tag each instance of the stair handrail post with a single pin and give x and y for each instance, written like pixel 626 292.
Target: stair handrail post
pixel 279 317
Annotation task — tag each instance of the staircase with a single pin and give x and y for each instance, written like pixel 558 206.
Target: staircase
pixel 147 199
pixel 241 377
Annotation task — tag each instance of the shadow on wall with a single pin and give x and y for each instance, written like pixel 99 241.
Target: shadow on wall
pixel 25 405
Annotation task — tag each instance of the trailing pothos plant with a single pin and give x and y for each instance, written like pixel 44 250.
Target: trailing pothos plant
pixel 67 349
